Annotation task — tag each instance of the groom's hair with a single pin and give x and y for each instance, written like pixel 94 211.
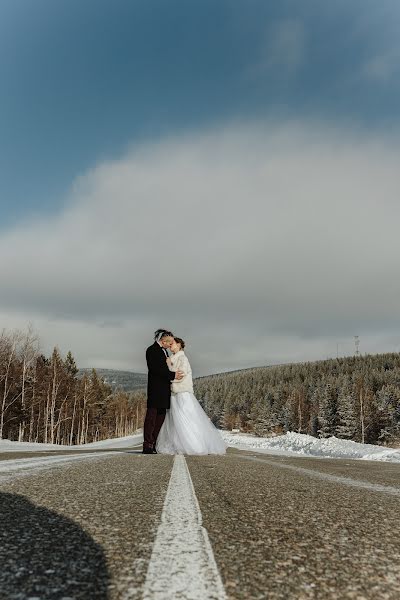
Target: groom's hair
pixel 161 333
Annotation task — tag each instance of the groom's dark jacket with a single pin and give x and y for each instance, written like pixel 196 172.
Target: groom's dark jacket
pixel 160 377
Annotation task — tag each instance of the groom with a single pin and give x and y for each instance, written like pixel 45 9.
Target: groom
pixel 158 388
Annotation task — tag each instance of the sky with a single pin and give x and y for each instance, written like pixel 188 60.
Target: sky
pixel 224 169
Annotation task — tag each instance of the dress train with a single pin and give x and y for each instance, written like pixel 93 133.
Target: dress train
pixel 188 430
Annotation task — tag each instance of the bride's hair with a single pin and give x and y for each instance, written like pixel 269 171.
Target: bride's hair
pixel 180 342
pixel 160 333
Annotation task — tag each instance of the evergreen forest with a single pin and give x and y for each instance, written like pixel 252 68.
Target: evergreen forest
pixel 355 398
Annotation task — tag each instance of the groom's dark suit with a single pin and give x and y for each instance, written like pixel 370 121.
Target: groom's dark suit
pixel 158 393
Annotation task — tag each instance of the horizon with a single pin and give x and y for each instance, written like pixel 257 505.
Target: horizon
pixel 327 358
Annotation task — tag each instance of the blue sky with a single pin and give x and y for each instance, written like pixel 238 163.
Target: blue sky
pixel 82 79
pixel 226 169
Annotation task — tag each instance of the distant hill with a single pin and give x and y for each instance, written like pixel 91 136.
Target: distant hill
pixel 120 380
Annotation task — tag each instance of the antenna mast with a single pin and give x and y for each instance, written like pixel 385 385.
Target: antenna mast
pixel 357 345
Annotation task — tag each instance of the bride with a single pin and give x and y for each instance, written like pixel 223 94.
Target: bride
pixel 186 428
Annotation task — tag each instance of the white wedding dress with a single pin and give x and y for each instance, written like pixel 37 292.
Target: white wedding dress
pixel 186 428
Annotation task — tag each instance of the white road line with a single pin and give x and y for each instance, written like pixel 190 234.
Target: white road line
pixel 357 483
pixel 182 563
pixel 9 469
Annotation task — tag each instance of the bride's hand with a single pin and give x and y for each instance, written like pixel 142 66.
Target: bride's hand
pixel 179 375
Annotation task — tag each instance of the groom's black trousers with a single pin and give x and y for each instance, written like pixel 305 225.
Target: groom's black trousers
pixel 152 425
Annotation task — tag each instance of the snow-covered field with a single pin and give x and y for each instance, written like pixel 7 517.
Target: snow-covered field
pixel 295 444
pixel 19 467
pixel 123 442
pixel 290 444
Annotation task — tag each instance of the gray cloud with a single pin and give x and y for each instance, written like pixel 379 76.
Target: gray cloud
pixel 259 243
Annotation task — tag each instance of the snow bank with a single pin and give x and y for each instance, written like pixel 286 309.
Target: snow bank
pixel 290 444
pixel 123 442
pixel 295 444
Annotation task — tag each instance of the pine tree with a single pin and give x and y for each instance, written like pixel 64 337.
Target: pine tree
pixel 70 364
pixel 388 404
pixel 348 418
pixel 328 412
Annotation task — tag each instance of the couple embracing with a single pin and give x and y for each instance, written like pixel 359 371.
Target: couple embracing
pixel 175 423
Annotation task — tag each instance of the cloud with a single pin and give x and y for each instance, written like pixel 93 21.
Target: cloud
pixel 382 67
pixel 259 243
pixel 283 49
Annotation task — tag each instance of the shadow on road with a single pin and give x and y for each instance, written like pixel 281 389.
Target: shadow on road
pixel 46 555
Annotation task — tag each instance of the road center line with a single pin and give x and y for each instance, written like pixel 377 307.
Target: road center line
pixel 366 485
pixel 182 563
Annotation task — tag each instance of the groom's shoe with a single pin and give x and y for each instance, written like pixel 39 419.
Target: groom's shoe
pixel 154 451
pixel 147 451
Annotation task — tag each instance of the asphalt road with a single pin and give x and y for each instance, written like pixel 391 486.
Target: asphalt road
pixel 279 528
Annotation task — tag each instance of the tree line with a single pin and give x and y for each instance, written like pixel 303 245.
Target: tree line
pixel 355 398
pixel 44 399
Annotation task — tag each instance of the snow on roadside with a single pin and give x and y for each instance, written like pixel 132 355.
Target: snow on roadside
pixel 290 444
pixel 295 444
pixel 123 442
pixel 22 467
